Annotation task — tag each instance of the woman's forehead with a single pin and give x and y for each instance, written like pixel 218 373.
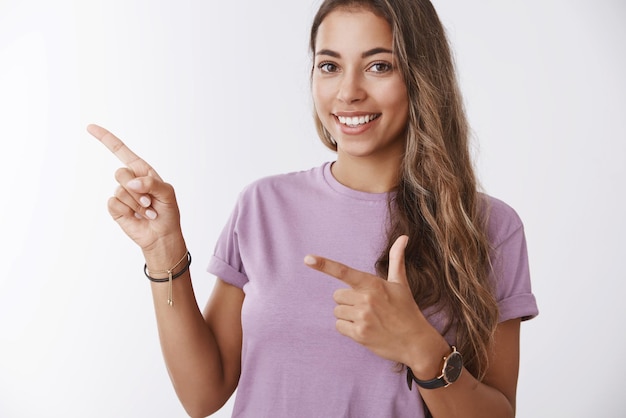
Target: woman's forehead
pixel 353 30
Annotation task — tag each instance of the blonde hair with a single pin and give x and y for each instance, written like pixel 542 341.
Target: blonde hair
pixel 436 202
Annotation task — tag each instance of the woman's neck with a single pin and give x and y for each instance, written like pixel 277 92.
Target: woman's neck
pixel 366 175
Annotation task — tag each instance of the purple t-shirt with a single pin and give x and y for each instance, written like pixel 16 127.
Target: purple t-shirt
pixel 294 362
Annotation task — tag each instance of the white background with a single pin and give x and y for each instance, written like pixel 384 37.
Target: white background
pixel 215 95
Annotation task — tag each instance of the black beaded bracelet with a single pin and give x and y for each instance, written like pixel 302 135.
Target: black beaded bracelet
pixel 170 276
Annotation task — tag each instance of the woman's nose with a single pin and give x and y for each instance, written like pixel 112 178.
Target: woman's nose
pixel 351 88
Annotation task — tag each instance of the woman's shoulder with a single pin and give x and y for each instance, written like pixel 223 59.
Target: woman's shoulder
pixel 502 220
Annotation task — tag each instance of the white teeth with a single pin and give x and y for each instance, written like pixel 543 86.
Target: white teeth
pixel 356 120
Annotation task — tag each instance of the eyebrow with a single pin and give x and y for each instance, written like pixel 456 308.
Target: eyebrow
pixel 368 53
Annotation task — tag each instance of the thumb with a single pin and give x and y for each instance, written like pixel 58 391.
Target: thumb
pixel 397 269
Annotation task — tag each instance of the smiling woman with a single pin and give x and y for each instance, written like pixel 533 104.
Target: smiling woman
pixel 433 276
pixel 214 95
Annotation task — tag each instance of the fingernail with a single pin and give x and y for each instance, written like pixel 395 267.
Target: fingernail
pixel 150 214
pixel 309 260
pixel 134 184
pixel 138 216
pixel 145 201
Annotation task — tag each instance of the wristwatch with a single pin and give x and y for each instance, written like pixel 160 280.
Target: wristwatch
pixel 450 372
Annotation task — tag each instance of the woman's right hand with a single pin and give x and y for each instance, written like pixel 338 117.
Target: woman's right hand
pixel 143 205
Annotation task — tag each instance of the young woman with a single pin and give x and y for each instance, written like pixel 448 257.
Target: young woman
pixel 410 299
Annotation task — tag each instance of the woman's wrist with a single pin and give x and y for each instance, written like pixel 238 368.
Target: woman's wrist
pixel 428 364
pixel 165 254
pixel 161 255
pixel 171 273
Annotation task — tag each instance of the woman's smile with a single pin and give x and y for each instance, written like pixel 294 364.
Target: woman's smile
pixel 354 124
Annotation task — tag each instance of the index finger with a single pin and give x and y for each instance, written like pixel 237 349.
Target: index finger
pixel 114 144
pixel 352 277
pixel 120 150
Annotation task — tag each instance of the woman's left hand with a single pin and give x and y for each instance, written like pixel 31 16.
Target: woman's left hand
pixel 382 314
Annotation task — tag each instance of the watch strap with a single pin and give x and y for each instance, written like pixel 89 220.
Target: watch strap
pixel 438 382
pixel 435 383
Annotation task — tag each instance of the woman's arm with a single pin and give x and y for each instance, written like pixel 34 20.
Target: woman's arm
pixel 383 316
pixel 202 353
pixel 495 396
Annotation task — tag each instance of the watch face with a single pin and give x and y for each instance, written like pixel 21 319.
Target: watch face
pixel 454 366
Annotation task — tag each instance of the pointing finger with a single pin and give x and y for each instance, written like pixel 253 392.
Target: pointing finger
pixel 121 151
pixel 114 144
pixel 348 275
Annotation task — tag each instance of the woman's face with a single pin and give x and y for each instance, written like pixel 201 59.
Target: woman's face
pixel 359 95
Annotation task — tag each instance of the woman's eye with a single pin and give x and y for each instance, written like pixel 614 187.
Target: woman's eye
pixel 327 67
pixel 380 67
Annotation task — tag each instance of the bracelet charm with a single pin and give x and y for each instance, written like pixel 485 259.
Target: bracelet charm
pixel 170 275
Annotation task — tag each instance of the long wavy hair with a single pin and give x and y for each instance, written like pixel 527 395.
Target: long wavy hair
pixel 436 202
